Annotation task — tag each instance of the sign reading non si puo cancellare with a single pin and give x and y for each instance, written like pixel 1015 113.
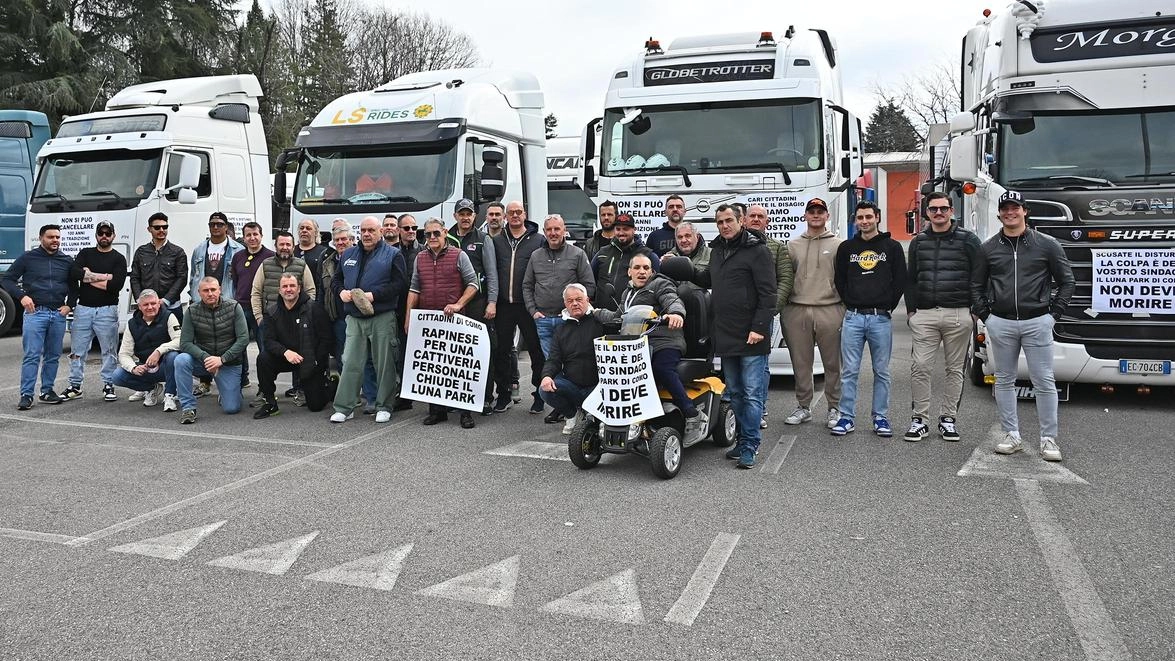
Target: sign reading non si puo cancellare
pixel 446 360
pixel 1140 281
pixel 626 392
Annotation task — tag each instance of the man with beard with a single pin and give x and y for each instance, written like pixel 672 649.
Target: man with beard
pixel 663 239
pixel 610 265
pixel 311 250
pixel 690 244
pixel 265 284
pixel 391 229
pixel 298 339
pixel 100 272
pixel 495 214
pixel 602 236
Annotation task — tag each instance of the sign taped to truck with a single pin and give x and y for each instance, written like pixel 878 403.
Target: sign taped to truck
pixel 1140 281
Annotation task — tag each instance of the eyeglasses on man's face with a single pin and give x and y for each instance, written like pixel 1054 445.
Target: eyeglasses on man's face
pixel 433 234
pixel 938 209
pixel 159 228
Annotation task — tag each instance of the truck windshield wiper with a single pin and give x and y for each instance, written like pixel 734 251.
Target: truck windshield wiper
pixel 1106 183
pixel 48 195
pixel 665 168
pixel 760 166
pixel 96 193
pixel 1148 175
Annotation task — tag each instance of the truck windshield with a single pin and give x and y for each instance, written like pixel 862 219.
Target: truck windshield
pixel 408 179
pixel 117 176
pixel 715 137
pixel 1087 149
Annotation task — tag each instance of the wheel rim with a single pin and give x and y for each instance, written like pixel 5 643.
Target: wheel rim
pixel 672 453
pixel 585 445
pixel 730 424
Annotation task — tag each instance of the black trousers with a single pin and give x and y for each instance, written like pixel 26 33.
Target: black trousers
pixel 511 316
pixel 270 365
pixel 477 310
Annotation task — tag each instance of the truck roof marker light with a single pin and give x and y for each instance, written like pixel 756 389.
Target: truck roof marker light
pixel 766 39
pixel 653 47
pixel 987 13
pixel 968 188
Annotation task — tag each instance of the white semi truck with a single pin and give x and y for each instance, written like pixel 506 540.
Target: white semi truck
pixel 727 118
pixel 185 147
pixel 1073 104
pixel 421 143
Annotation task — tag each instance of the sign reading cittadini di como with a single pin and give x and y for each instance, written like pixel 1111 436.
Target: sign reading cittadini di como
pixel 1134 281
pixel 446 360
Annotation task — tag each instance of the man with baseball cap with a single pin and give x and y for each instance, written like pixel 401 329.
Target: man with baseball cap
pixel 479 247
pixel 814 313
pixel 100 272
pixel 1012 292
pixel 610 265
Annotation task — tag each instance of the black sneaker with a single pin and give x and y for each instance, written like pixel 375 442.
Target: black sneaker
pixel 487 410
pixel 188 417
pixel 108 393
pixel 553 417
pixel 402 404
pixel 291 392
pixel 71 393
pixel 434 418
pixel 267 409
pixel 734 453
pixel 26 403
pixel 538 405
pixel 503 404
pixel 947 429
pixel 466 420
pixel 50 397
pixel 917 431
pixel 369 409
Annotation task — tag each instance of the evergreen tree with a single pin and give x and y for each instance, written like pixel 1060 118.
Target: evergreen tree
pixel 44 59
pixel 551 122
pixel 890 129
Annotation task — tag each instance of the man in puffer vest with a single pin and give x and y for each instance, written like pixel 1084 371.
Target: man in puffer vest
pixel 213 338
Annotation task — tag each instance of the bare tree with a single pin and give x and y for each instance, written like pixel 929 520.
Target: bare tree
pixel 388 44
pixel 927 98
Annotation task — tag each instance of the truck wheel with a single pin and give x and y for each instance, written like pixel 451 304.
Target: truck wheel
pixel 583 444
pixel 665 453
pixel 726 433
pixel 975 370
pixel 7 312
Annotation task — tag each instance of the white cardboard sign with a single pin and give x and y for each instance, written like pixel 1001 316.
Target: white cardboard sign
pixel 626 392
pixel 446 360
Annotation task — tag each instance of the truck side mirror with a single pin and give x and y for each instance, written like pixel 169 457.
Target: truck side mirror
pixel 911 219
pixel 189 171
pixel 186 196
pixel 493 174
pixel 279 186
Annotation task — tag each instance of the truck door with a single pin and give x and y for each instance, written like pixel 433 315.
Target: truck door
pixel 189 221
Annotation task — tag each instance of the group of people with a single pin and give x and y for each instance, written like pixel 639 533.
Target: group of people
pixel 337 316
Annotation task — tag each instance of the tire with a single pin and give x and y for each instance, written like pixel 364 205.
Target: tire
pixel 7 313
pixel 665 453
pixel 586 433
pixel 726 433
pixel 975 370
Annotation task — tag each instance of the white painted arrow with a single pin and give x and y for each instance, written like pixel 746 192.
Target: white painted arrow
pixel 492 585
pixel 172 546
pixel 378 571
pixel 614 599
pixel 273 559
pixel 984 462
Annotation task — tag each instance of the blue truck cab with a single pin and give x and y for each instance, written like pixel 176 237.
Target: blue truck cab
pixel 22 133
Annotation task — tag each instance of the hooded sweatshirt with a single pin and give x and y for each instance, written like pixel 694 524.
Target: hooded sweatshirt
pixel 814 259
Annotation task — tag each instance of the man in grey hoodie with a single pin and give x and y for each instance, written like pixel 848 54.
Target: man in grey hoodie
pixel 552 267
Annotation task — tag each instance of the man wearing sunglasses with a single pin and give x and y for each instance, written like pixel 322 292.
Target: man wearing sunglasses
pixel 100 272
pixel 938 302
pixel 160 265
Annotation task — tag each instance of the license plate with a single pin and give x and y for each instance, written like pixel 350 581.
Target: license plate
pixel 1144 367
pixel 1024 390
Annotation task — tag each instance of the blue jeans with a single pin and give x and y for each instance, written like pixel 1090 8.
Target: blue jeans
pixel 1005 339
pixel 546 328
pixel 567 397
pixel 41 335
pixel 746 381
pixel 87 323
pixel 165 374
pixel 228 383
pixel 857 330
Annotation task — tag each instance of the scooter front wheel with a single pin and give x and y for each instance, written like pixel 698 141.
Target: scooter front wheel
pixel 583 444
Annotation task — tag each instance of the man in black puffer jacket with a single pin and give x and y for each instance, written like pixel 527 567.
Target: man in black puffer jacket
pixel 569 372
pixel 298 339
pixel 743 281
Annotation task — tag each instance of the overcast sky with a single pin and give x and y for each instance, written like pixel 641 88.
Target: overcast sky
pixel 574 45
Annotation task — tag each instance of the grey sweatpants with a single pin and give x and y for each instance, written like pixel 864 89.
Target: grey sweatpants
pixel 1005 339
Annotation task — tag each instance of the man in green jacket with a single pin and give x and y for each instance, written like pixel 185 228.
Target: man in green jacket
pixel 757 220
pixel 213 339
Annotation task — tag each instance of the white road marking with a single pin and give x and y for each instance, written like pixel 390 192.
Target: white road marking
pixel 533 450
pixel 378 571
pixel 151 432
pixel 384 430
pixel 778 453
pixel 35 536
pixel 1026 465
pixel 172 546
pixel 492 585
pixel 275 559
pixel 614 599
pixel 697 592
pixel 1093 625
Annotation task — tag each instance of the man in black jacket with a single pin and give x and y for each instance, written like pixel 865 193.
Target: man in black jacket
pixel 1011 291
pixel 742 305
pixel 569 372
pixel 298 339
pixel 870 274
pixel 610 265
pixel 938 308
pixel 160 265
pixel 512 250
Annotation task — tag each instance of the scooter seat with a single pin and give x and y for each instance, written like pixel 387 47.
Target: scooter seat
pixel 690 369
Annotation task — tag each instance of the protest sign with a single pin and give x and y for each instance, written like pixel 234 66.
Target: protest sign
pixel 446 360
pixel 1134 281
pixel 626 392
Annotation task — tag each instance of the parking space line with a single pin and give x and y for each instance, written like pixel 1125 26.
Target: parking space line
pixel 701 584
pixel 33 535
pixel 243 482
pixel 778 454
pixel 1094 627
pixel 150 431
pixel 532 450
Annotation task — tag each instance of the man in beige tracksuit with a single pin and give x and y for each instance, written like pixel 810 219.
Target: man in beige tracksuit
pixel 814 313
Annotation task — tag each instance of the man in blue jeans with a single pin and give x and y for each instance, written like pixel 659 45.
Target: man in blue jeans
pixel 569 372
pixel 100 272
pixel 870 275
pixel 213 339
pixel 1012 292
pixel 39 280
pixel 744 290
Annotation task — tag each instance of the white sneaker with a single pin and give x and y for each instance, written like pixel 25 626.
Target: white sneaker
pixel 1011 444
pixel 171 403
pixel 380 416
pixel 801 414
pixel 137 396
pixel 341 417
pixel 1049 450
pixel 155 396
pixel 833 417
pixel 569 425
